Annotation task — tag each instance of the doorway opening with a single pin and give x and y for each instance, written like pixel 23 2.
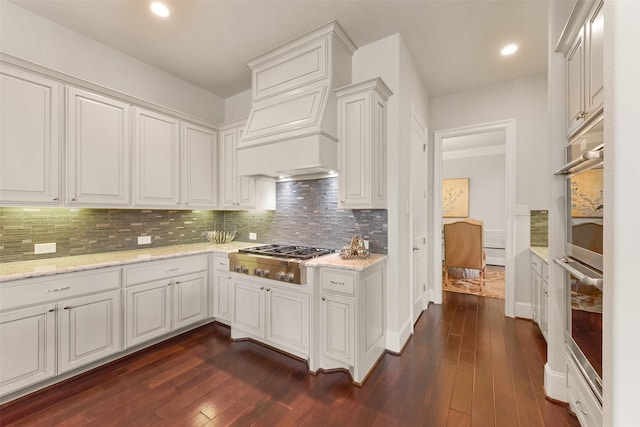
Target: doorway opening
pixel 496 140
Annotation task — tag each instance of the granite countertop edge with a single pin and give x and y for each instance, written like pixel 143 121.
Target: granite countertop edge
pixel 334 261
pixel 541 252
pixel 53 266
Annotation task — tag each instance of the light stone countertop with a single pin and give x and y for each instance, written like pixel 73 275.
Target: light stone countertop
pixel 51 266
pixel 541 252
pixel 335 261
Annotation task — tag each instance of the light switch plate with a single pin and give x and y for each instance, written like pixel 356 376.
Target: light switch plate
pixel 144 240
pixel 253 236
pixel 522 210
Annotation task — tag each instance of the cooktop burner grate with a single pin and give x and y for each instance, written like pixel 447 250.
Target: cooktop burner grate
pixel 286 251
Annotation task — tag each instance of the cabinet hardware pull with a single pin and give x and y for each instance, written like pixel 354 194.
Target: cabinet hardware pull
pixel 66 308
pixel 341 201
pixel 55 199
pixel 268 289
pixel 178 282
pixel 59 289
pixel 337 283
pixel 73 199
pixel 173 268
pixel 262 288
pixel 324 298
pixel 581 115
pixel 51 310
pixel 169 284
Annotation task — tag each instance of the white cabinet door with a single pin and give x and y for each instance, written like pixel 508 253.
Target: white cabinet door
pixel 544 308
pixel 29 135
pixel 98 147
pixel 89 329
pixel 221 297
pixel 288 319
pixel 238 192
pixel 147 312
pixel 199 167
pixel 575 83
pixel 27 354
pixel 189 299
pixel 594 59
pixel 157 159
pixel 249 308
pixel 535 297
pixel 338 328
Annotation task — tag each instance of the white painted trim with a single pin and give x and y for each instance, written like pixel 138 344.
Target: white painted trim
pixel 524 310
pixel 555 384
pixel 474 152
pixel 397 339
pixel 495 260
pixel 509 126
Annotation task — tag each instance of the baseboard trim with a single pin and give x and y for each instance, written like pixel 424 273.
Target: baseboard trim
pixel 492 260
pixel 397 340
pixel 555 384
pixel 524 310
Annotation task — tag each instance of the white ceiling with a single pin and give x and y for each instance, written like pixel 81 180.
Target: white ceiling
pixel 454 43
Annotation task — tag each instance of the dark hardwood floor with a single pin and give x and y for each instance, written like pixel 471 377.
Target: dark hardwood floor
pixel 466 365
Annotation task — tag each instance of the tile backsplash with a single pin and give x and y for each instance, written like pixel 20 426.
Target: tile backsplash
pixel 307 214
pixel 539 228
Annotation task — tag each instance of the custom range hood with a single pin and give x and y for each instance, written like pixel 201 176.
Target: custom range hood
pixel 292 127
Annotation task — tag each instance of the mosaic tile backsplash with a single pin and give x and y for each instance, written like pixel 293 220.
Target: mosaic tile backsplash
pixel 539 228
pixel 307 214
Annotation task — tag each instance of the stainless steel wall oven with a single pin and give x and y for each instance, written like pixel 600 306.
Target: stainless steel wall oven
pixel 583 261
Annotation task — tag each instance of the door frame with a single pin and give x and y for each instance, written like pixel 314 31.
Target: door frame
pixel 509 127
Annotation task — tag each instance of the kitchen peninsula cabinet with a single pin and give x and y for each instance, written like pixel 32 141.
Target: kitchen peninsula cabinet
pixel 156 167
pixel 241 192
pixel 362 130
pixel 52 325
pixel 98 147
pixel 582 45
pixel 273 314
pixel 29 142
pixel 163 296
pixel 351 330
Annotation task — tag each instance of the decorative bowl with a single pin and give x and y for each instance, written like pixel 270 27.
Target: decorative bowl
pixel 220 236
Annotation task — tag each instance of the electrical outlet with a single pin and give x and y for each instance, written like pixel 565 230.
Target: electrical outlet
pixel 253 236
pixel 144 240
pixel 366 244
pixel 44 248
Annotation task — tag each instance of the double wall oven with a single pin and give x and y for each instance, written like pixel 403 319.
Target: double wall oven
pixel 584 255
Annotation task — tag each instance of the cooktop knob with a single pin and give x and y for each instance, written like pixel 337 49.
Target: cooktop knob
pixel 258 272
pixel 244 269
pixel 265 273
pixel 288 277
pixel 280 275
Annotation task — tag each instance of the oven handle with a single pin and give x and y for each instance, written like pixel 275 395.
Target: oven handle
pixel 597 154
pixel 583 278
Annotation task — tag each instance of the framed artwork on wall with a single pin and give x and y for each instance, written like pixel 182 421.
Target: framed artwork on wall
pixel 455 198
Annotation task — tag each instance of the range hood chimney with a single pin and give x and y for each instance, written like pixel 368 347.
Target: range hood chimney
pixel 292 126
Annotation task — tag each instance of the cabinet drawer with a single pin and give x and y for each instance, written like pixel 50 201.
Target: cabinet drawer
pixel 338 282
pixel 221 262
pixel 583 403
pixel 536 264
pixel 157 270
pixel 36 291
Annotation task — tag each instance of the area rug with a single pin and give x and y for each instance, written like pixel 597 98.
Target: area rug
pixel 492 287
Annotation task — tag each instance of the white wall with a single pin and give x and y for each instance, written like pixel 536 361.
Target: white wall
pixel 237 106
pixel 29 37
pixel 389 59
pixel 524 100
pixel 621 341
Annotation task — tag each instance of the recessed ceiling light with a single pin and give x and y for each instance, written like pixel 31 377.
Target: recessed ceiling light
pixel 509 49
pixel 160 9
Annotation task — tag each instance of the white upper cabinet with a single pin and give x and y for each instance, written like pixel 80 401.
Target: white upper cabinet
pixel 241 192
pixel 582 44
pixel 362 133
pixel 156 159
pixel 98 150
pixel 29 138
pixel 199 166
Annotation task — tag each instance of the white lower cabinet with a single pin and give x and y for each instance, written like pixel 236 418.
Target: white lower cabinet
pixel 351 327
pixel 89 329
pixel 274 314
pixel 582 400
pixel 28 347
pixel 163 296
pixel 539 293
pixel 221 289
pixel 52 325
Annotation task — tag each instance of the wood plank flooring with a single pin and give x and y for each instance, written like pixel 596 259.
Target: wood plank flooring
pixel 466 365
